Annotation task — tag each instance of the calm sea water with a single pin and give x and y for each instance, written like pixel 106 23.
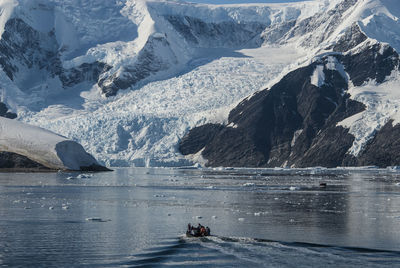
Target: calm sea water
pixel 258 218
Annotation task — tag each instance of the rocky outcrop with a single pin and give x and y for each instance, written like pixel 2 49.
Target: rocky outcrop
pixel 28 56
pixel 149 62
pixel 15 161
pixel 352 37
pixel 5 113
pixel 384 149
pixel 198 138
pixel 372 62
pixel 228 34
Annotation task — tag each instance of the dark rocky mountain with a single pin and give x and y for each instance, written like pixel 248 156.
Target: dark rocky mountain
pixel 295 122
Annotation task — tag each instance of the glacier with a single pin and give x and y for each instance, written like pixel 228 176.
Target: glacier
pixel 129 78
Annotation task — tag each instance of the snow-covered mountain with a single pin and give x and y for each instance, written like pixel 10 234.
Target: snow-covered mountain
pixel 340 108
pixel 128 78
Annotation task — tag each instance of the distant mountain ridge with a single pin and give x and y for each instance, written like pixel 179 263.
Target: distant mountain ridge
pixel 128 79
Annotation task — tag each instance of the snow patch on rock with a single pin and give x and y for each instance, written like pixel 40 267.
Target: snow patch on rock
pixel 382 103
pixel 318 77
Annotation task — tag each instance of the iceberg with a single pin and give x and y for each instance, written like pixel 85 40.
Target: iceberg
pixel 45 147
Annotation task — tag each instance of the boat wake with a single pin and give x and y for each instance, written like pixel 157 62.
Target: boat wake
pixel 216 251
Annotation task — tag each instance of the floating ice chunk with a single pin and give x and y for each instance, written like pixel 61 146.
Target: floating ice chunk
pixel 393 168
pixel 293 188
pixel 248 184
pixel 71 178
pixel 210 187
pixel 84 176
pixel 218 168
pixel 260 213
pixel 197 165
pixel 96 219
pixel 158 35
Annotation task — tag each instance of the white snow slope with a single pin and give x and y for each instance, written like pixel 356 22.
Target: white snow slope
pixel 199 83
pixel 43 146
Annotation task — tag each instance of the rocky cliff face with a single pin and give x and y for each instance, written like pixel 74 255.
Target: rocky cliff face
pixel 4 112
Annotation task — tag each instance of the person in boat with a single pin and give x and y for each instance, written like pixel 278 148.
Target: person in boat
pixel 202 231
pixel 190 230
pixel 199 231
